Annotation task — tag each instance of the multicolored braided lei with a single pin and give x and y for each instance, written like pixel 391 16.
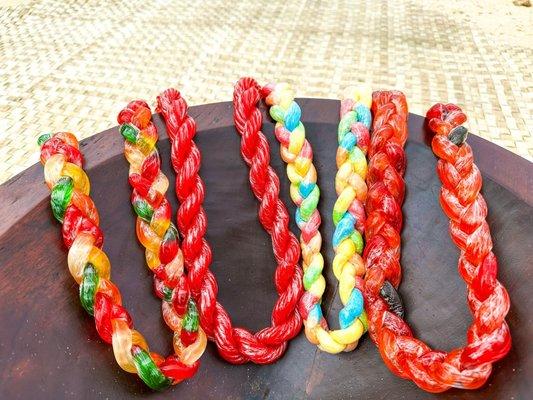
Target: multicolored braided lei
pixel 236 345
pixel 157 233
pixel 90 266
pixel 348 212
pixel 488 338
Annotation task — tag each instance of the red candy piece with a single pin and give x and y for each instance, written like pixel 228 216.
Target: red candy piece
pixel 75 223
pixel 174 369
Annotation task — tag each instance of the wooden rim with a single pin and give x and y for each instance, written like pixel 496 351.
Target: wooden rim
pixel 26 190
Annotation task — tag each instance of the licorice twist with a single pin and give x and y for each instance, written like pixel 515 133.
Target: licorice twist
pixel 157 233
pixel 348 212
pixel 235 345
pixel 488 338
pixel 90 266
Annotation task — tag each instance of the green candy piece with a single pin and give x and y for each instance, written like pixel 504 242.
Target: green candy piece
pixel 167 293
pixel 357 239
pixel 171 233
pixel 88 287
pixel 43 138
pixel 129 133
pixel 309 204
pixel 143 210
pixel 277 113
pixel 345 124
pixel 364 320
pixel 311 275
pixel 337 216
pixel 356 155
pixel 191 320
pixel 60 197
pixel 148 371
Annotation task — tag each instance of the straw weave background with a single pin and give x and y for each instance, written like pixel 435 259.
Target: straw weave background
pixel 73 65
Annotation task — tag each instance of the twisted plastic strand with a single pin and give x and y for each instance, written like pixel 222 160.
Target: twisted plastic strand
pixel 157 233
pixel 90 267
pixel 488 338
pixel 235 345
pixel 348 213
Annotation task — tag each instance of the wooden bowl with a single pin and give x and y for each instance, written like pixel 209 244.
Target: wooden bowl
pixel 49 346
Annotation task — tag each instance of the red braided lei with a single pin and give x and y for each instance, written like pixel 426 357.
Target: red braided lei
pixel 488 338
pixel 235 345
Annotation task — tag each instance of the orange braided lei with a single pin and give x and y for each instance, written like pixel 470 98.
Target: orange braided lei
pixel 488 338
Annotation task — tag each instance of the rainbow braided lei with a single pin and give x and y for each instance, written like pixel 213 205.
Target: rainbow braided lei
pixel 348 212
pixel 90 266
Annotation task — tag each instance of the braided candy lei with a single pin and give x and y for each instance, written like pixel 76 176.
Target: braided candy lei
pixel 235 345
pixel 348 212
pixel 90 266
pixel 158 234
pixel 488 338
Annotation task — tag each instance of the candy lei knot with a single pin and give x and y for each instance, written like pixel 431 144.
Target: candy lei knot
pixel 157 233
pixel 90 266
pixel 235 345
pixel 348 214
pixel 488 338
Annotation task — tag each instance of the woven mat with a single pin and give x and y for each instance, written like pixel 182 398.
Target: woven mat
pixel 73 65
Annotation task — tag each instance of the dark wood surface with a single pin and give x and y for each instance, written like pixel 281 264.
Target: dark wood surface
pixel 49 347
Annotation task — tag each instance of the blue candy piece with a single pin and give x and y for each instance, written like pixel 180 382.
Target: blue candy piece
pixel 344 228
pixel 298 217
pixel 315 313
pixel 306 188
pixel 348 142
pixel 352 309
pixel 292 116
pixel 363 115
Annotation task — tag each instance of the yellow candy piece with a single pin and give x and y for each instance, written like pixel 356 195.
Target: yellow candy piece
pixel 297 139
pixel 160 183
pixel 326 342
pixel 147 236
pixel 188 355
pixel 293 175
pixel 347 282
pixel 302 166
pixel 360 166
pixel 152 259
pixel 286 96
pixel 170 316
pixel 286 155
pixel 361 94
pixel 122 343
pixel 159 225
pixel 139 340
pixel 344 252
pixel 100 261
pixel 349 335
pixel 78 255
pixel 53 168
pixel 79 177
pixel 344 200
pixel 134 156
